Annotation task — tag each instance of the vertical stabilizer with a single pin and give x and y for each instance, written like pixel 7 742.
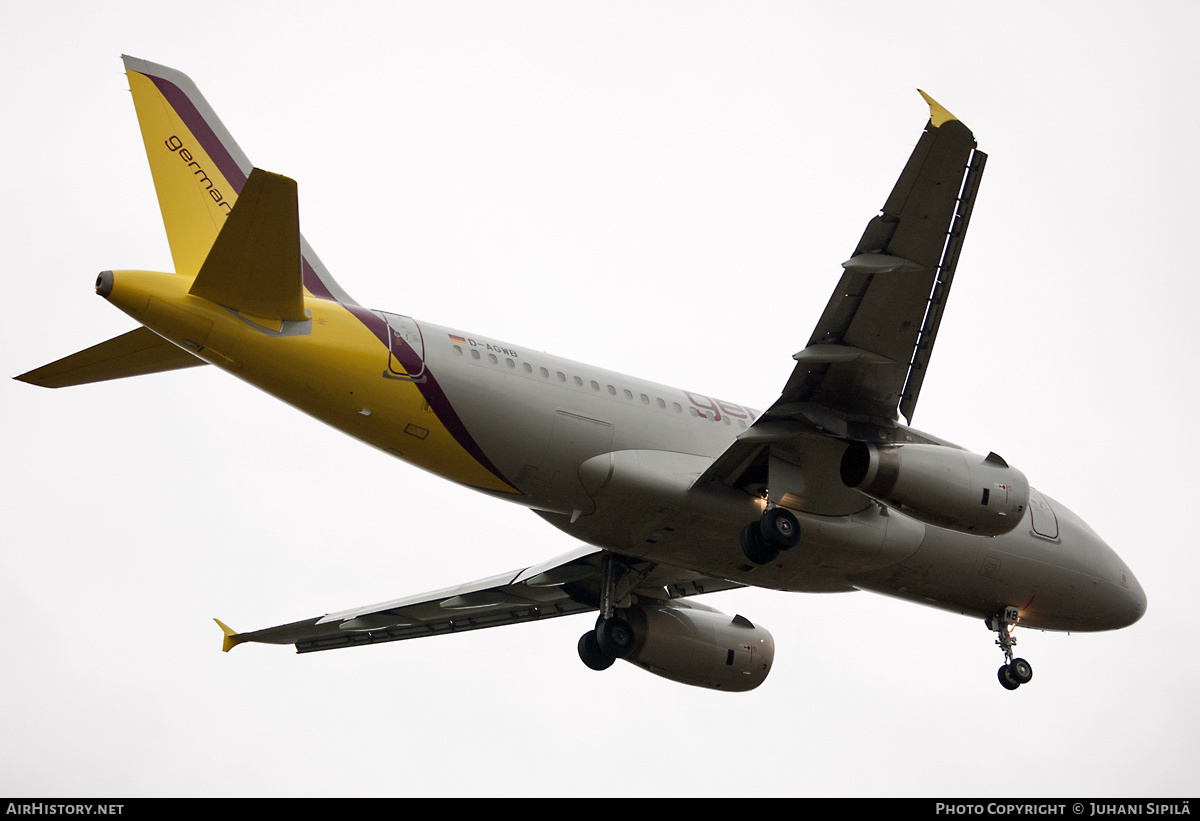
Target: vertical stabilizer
pixel 198 170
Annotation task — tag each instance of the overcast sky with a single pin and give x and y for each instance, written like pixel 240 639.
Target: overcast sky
pixel 663 189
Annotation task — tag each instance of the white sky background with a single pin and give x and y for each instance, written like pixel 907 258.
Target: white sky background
pixel 660 189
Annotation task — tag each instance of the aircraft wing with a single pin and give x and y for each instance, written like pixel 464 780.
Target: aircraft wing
pixel 561 587
pixel 869 351
pixel 867 356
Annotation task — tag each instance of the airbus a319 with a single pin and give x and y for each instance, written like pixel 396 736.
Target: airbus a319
pixel 667 493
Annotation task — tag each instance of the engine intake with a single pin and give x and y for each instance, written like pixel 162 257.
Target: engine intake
pixel 939 485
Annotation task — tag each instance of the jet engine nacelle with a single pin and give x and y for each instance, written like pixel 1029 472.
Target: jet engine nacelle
pixel 941 486
pixel 694 644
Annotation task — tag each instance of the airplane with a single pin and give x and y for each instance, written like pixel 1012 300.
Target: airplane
pixel 668 493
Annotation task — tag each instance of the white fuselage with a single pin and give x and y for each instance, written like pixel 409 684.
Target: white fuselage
pixel 611 459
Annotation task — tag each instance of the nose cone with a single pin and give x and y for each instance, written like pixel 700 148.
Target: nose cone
pixel 1107 596
pixel 1128 599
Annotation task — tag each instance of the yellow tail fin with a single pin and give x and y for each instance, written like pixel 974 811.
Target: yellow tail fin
pixel 196 175
pixel 199 171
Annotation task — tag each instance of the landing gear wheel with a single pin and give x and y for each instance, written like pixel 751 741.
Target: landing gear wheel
pixel 591 654
pixel 753 546
pixel 1021 671
pixel 779 529
pixel 615 637
pixel 1007 681
pixel 1015 672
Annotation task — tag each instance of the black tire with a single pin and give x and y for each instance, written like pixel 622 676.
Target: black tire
pixel 591 654
pixel 753 546
pixel 1021 671
pixel 616 637
pixel 1006 678
pixel 779 529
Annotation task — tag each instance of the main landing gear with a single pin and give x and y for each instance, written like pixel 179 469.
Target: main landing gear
pixel 777 530
pixel 1014 672
pixel 614 637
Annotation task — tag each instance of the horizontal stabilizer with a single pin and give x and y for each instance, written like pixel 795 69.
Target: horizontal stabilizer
pixel 254 264
pixel 132 354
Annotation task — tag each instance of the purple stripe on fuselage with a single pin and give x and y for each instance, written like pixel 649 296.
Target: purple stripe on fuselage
pixel 216 150
pixel 313 282
pixel 430 389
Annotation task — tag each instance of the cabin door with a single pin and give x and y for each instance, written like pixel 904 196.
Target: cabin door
pixel 406 348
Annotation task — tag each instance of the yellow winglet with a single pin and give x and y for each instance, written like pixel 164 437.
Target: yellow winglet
pixel 231 637
pixel 937 114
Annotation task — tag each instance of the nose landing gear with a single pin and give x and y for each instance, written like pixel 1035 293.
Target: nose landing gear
pixel 1014 672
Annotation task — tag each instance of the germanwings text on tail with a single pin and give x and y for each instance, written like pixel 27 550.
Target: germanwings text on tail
pixel 665 493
